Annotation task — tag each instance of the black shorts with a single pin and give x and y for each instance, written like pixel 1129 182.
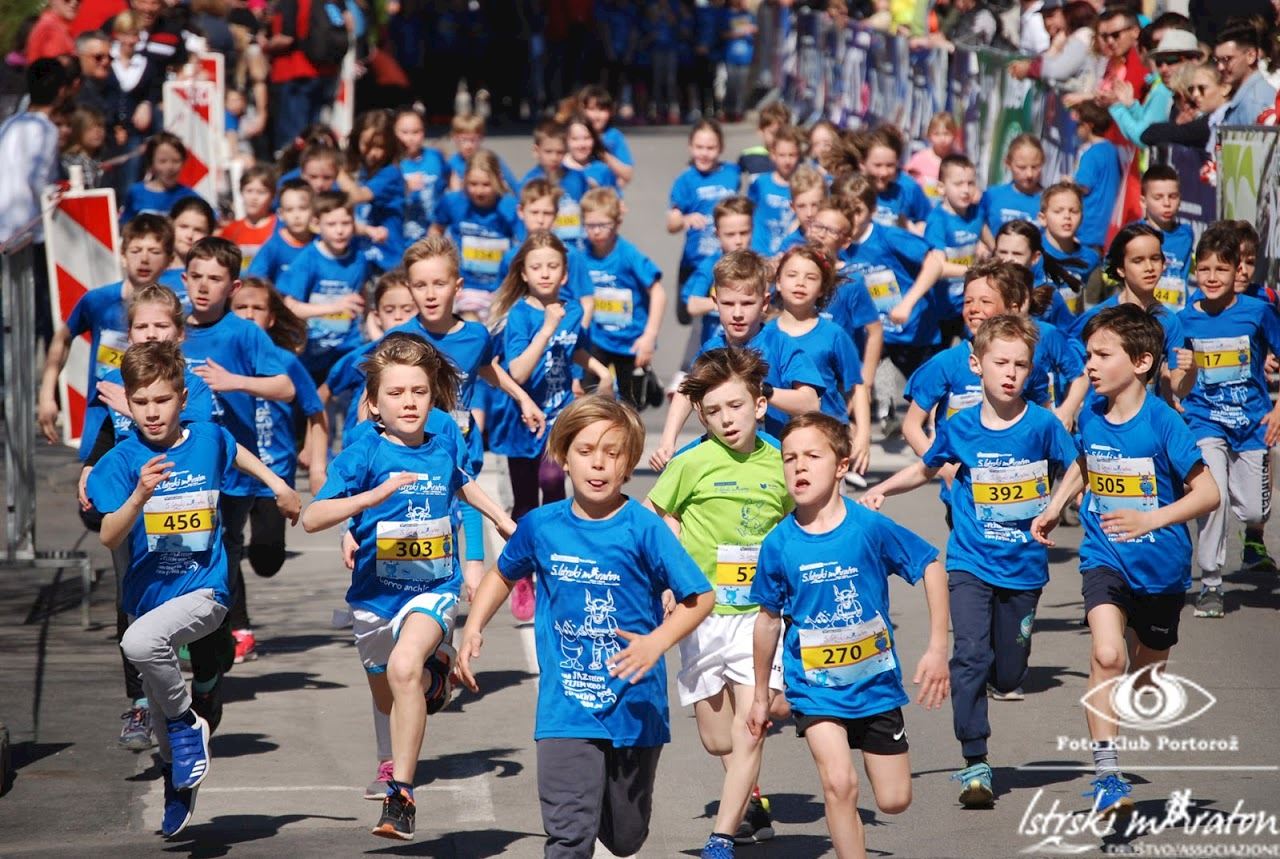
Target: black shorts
pixel 1153 617
pixel 882 734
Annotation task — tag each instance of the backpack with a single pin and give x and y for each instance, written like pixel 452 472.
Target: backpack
pixel 327 41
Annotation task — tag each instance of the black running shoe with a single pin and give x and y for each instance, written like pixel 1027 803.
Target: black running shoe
pixel 398 812
pixel 756 823
pixel 208 705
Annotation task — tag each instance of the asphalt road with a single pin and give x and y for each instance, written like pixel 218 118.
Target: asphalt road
pixel 296 748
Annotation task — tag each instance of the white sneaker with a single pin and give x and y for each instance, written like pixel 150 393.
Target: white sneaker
pixel 855 480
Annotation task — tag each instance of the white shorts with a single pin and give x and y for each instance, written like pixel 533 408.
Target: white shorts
pixel 720 650
pixel 376 635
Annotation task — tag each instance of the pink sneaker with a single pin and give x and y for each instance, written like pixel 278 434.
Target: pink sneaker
pixel 246 645
pixel 522 600
pixel 377 788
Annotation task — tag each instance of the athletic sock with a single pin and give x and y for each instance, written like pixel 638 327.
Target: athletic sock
pixel 188 718
pixel 141 703
pixel 203 687
pixel 1211 580
pixel 394 786
pixel 1105 758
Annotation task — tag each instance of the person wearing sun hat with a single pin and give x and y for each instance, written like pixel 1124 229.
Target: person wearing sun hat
pixel 1132 117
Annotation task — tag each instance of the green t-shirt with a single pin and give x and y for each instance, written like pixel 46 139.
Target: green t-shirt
pixel 726 503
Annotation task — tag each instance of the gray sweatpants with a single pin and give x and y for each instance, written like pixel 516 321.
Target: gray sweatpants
pixel 1244 484
pixel 589 790
pixel 151 644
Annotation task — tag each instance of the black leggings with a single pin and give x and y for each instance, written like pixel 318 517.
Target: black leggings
pixel 266 537
pixel 630 385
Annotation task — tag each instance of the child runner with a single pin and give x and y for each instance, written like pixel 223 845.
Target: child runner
pixel 466 131
pixel 925 166
pixel 792 384
pixel 277 421
pixel 732 219
pixel 426 178
pixel 1061 213
pixel 597 106
pixel 722 495
pixel 1097 173
pixel 585 150
pixel 193 219
pixel 954 227
pixel 241 365
pixel 159 491
pixel 255 229
pixel 695 193
pixel 550 146
pixel 808 189
pixel 771 192
pixel 1144 479
pixel 1161 199
pixel 899 200
pixel 601 562
pixel 538 211
pixel 325 284
pixel 162 158
pixel 375 186
pixel 1228 410
pixel 825 568
pixel 397 487
pixel 755 160
pixel 391 305
pixel 295 214
pixel 628 298
pixel 1003 454
pixel 1019 198
pixel 481 222
pixel 1020 242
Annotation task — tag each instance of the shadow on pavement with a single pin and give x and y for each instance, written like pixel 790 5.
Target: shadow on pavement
pixel 490 682
pixel 484 842
pixel 789 846
pixel 468 765
pixel 1043 677
pixel 218 836
pixel 239 745
pixel 245 687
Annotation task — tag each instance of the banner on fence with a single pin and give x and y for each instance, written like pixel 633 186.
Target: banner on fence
pixel 193 113
pixel 1248 172
pixel 343 116
pixel 82 245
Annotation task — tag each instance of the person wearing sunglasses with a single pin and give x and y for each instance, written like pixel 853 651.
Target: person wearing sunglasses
pixel 1208 93
pixel 1236 53
pixel 1175 47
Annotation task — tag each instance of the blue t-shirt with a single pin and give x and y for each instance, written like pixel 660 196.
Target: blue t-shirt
pixel 386 209
pixel 1057 314
pixel 1099 173
pixel 774 219
pixel 241 347
pixel 788 367
pixel 1062 362
pixel 1002 484
pixel 568 224
pixel 457 166
pixel 550 384
pixel 274 257
pixel 277 423
pixel 594 578
pixel 316 277
pixel 1169 323
pixel 1179 246
pixel 699 192
pixel 1074 269
pixel 103 315
pixel 740 42
pixel 482 236
pixel 701 283
pixel 175 545
pixel 173 279
pixel 616 142
pixel 832 352
pixel 420 204
pixel 957 236
pixel 405 545
pixel 851 307
pixel 1003 203
pixel 199 405
pixel 620 284
pixel 1230 396
pixel 889 261
pixel 837 652
pixel 1140 464
pixel 141 200
pixel 902 198
pixel 578 284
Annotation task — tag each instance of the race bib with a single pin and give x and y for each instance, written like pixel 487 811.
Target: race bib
pixel 462 418
pixel 735 571
pixel 416 551
pixel 844 655
pixel 962 255
pixel 330 326
pixel 1011 493
pixel 111 349
pixel 1122 484
pixel 883 286
pixel 613 306
pixel 568 225
pixel 1172 293
pixel 1222 360
pixel 963 400
pixel 482 255
pixel 182 522
pixel 1072 300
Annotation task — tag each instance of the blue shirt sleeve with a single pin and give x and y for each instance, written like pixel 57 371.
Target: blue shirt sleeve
pixel 675 569
pixel 769 588
pixel 305 396
pixel 110 482
pixel 518 559
pixel 928 384
pixel 347 474
pixel 903 553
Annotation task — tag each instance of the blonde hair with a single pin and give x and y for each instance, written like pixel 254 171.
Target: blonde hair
pixel 486 162
pixel 745 269
pixel 603 200
pixel 1006 327
pixel 584 412
pixel 431 247
pixel 467 123
pixel 154 361
pixel 514 287
pixel 943 120
pixel 165 297
pixel 805 179
pixel 410 350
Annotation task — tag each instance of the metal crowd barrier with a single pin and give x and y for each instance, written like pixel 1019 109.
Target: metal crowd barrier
pixel 21 382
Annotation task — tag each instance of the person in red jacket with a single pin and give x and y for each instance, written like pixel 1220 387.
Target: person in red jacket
pixel 51 36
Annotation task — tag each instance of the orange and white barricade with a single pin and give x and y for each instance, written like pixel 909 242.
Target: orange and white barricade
pixel 194 113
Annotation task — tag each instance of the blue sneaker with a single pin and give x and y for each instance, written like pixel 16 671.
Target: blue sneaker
pixel 1110 794
pixel 179 805
pixel 718 847
pixel 189 747
pixel 977 792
